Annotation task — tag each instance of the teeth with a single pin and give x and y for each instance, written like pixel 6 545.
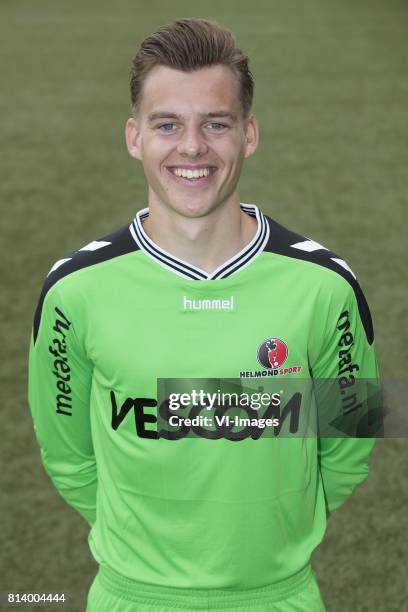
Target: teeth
pixel 190 174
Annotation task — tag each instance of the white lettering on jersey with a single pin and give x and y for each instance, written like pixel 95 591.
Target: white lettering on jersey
pixel 221 304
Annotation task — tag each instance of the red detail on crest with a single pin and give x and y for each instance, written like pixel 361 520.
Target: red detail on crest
pixel 278 354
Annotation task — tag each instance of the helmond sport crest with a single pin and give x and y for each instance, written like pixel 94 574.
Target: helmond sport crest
pixel 272 353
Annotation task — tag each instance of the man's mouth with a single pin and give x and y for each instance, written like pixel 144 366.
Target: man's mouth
pixel 192 175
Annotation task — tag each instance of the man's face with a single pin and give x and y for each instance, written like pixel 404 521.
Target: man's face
pixel 189 124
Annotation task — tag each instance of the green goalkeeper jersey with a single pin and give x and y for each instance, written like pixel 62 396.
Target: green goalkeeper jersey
pixel 120 314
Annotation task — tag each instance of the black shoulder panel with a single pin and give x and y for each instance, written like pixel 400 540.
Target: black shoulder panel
pixel 113 245
pixel 282 241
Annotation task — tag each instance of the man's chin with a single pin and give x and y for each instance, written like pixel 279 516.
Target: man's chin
pixel 189 205
pixel 193 208
pixel 195 212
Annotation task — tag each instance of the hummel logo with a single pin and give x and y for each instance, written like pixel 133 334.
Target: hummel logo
pixel 223 304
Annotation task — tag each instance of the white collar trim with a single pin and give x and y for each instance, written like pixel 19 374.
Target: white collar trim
pixel 236 263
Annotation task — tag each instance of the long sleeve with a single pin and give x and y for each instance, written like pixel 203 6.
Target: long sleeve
pixel 346 357
pixel 60 376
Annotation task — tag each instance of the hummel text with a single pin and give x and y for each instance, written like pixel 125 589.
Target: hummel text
pixel 221 304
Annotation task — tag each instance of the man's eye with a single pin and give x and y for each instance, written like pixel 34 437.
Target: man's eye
pixel 217 126
pixel 166 127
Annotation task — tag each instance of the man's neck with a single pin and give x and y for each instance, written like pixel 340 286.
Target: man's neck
pixel 206 242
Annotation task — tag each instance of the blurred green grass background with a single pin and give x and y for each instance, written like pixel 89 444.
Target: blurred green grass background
pixel 331 97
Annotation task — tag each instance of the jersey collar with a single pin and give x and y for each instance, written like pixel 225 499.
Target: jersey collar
pixel 186 270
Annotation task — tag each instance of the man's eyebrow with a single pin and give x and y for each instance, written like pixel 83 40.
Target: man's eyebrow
pixel 162 115
pixel 227 114
pixel 168 115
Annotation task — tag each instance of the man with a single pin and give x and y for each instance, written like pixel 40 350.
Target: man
pixel 197 287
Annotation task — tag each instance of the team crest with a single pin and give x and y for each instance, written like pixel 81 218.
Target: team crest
pixel 272 353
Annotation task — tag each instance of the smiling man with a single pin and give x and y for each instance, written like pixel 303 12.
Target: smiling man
pixel 192 147
pixel 197 291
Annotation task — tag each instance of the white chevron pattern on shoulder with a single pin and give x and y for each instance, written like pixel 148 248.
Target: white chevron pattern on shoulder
pixel 58 264
pixel 343 264
pixel 308 245
pixel 95 245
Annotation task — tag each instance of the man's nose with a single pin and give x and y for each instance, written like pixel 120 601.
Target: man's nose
pixel 192 142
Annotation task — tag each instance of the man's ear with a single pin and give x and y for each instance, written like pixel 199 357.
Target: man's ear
pixel 133 138
pixel 252 135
